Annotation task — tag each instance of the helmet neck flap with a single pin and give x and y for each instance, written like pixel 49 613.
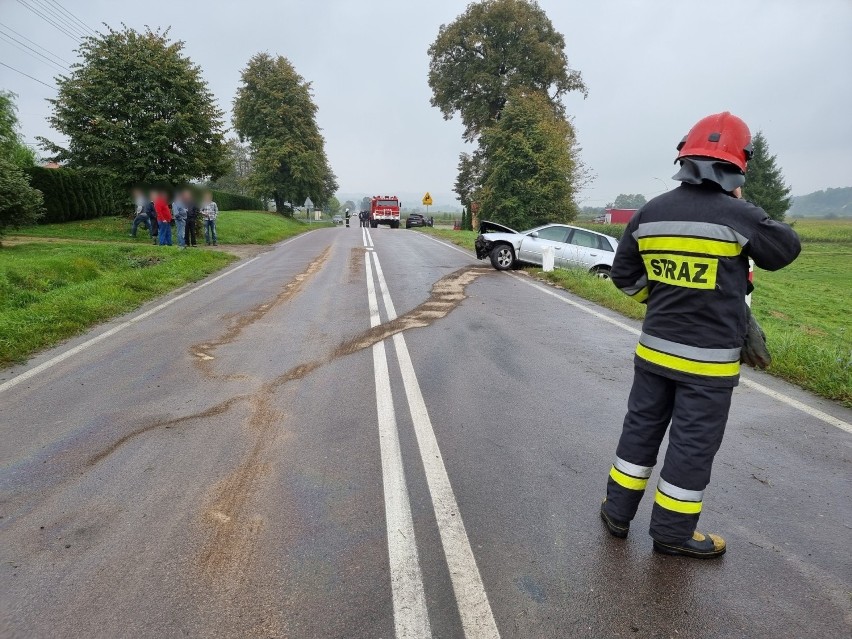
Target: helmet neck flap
pixel 697 170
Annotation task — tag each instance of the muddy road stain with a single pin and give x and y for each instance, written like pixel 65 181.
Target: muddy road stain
pixel 203 352
pixel 356 263
pixel 233 526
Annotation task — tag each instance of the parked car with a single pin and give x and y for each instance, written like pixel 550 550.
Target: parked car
pixel 337 219
pixel 416 219
pixel 574 247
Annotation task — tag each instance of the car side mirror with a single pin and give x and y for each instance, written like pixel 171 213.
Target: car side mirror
pixel 534 234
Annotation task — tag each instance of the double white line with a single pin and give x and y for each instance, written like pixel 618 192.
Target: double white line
pixel 411 616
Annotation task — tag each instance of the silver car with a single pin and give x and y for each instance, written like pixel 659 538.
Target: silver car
pixel 573 247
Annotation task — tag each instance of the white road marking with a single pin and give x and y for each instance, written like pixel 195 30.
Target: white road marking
pixel 746 381
pixel 369 237
pixel 411 618
pixel 795 403
pixel 53 361
pixel 474 609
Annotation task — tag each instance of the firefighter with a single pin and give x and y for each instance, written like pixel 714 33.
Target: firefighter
pixel 685 255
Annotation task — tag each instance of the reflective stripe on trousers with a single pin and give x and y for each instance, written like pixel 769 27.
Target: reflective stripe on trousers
pixel 708 362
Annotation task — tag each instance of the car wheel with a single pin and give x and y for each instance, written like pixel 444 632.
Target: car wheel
pixel 502 257
pixel 601 272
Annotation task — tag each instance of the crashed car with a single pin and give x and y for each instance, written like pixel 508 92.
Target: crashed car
pixel 573 247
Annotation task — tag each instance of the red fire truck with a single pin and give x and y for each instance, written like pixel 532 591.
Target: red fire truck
pixel 384 209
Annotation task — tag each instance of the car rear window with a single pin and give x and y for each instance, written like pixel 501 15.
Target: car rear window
pixel 585 239
pixel 603 244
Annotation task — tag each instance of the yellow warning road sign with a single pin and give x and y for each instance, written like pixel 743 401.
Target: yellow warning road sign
pixel 427 199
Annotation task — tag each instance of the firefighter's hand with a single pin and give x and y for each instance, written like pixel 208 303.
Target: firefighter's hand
pixel 755 353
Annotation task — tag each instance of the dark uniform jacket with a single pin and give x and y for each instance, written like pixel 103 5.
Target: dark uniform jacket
pixel 685 254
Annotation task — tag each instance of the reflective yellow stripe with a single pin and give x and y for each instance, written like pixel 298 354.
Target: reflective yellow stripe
pixel 685 507
pixel 631 483
pixel 716 248
pixel 708 369
pixel 641 295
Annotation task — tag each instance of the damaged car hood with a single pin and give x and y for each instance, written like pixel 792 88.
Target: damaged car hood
pixel 493 227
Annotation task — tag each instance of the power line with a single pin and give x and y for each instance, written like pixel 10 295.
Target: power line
pixel 21 35
pixel 49 86
pixel 20 45
pixel 48 20
pixel 62 20
pixel 73 17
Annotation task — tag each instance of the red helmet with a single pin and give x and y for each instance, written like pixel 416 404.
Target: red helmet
pixel 722 136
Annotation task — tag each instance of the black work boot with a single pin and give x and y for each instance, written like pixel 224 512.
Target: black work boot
pixel 699 546
pixel 616 528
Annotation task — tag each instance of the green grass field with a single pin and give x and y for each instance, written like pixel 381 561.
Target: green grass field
pixel 803 308
pixel 232 227
pixel 49 292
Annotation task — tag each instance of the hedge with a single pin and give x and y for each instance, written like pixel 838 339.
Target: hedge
pixel 75 195
pixel 232 202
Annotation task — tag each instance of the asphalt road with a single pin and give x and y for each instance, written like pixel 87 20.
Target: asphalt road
pixel 374 435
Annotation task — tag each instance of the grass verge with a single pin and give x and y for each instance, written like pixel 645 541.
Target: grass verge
pixel 803 308
pixel 50 292
pixel 232 227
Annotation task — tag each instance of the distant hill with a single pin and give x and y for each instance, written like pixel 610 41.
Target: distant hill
pixel 827 203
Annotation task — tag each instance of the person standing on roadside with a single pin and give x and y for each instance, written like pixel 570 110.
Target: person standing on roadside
pixel 141 216
pixel 164 219
pixel 191 218
pixel 179 213
pixel 685 254
pixel 209 213
pixel 151 212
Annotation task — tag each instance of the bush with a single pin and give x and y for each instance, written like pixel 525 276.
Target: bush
pixel 74 195
pixel 20 204
pixel 233 202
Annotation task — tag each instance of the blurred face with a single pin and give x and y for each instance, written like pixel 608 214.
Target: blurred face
pixel 208 197
pixel 186 196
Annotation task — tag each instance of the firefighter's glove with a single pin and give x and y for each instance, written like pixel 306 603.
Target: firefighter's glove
pixel 754 352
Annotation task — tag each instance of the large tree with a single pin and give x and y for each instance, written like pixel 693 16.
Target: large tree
pixel 629 201
pixel 493 48
pixel 274 110
pixel 12 146
pixel 529 164
pixel 20 204
pixel 764 183
pixel 137 108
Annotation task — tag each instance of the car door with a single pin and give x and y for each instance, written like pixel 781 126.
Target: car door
pixel 585 249
pixel 535 241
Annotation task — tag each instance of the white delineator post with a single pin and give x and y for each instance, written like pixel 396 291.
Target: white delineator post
pixel 548 257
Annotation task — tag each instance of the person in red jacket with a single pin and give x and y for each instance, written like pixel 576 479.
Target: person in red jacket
pixel 164 219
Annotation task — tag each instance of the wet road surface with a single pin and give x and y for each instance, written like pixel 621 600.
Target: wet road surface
pixel 371 434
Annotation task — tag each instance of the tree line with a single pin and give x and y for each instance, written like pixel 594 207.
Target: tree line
pixel 135 107
pixel 501 67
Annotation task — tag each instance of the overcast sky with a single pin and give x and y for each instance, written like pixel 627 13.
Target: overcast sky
pixel 652 68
